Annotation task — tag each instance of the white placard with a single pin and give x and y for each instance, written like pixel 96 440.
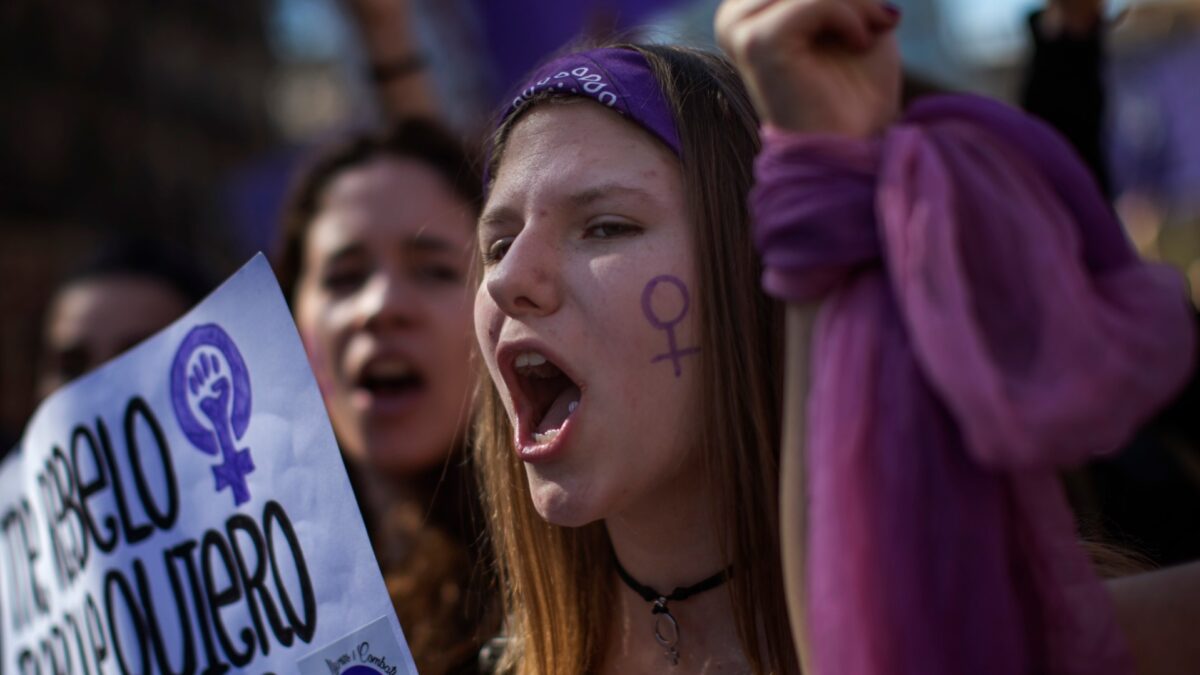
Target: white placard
pixel 184 509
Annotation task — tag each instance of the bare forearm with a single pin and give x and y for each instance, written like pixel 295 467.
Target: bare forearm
pixel 1160 615
pixel 792 499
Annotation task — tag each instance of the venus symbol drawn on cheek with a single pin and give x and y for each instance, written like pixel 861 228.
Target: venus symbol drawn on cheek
pixel 673 351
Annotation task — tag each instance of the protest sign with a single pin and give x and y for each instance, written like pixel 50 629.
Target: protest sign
pixel 184 509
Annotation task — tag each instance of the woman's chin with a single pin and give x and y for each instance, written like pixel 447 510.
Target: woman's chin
pixel 563 506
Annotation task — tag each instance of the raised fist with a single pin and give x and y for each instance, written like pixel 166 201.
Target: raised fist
pixel 823 66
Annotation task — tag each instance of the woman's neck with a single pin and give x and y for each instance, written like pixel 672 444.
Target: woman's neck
pixel 394 508
pixel 668 544
pixel 378 493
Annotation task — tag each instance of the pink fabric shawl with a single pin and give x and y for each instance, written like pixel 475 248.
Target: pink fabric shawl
pixel 985 324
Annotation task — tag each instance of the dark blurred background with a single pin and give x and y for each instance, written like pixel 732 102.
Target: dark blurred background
pixel 183 119
pixel 118 117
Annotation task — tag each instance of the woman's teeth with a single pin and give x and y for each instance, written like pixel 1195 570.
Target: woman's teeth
pixel 529 359
pixel 543 437
pixel 535 366
pixel 389 369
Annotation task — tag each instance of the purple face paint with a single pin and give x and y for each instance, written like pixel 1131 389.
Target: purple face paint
pixel 673 351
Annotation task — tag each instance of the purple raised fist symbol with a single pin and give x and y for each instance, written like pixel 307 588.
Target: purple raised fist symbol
pixel 210 391
pixel 674 353
pixel 206 376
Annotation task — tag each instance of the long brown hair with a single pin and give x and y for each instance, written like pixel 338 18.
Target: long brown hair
pixel 558 581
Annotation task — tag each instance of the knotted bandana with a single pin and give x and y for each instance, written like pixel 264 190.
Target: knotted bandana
pixel 616 78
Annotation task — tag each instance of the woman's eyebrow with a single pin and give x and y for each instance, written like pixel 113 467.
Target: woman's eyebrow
pixel 346 252
pixel 502 215
pixel 417 243
pixel 607 190
pixel 499 216
pixel 427 243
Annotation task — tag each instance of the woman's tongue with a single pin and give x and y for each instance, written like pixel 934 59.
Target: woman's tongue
pixel 560 409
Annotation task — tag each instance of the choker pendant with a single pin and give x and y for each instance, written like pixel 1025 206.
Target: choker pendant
pixel 666 627
pixel 666 630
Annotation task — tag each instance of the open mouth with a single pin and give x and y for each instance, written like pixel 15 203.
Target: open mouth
pixel 384 378
pixel 546 396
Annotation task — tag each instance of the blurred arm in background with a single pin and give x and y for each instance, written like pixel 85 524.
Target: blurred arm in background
pixel 395 63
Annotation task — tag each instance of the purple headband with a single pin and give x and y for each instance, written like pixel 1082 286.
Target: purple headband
pixel 618 78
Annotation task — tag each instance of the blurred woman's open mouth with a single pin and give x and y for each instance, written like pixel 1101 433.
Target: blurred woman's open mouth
pixel 388 385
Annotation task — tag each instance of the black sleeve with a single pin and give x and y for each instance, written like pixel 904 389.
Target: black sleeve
pixel 1064 86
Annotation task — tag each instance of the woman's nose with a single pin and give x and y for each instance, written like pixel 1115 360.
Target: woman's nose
pixel 527 280
pixel 388 300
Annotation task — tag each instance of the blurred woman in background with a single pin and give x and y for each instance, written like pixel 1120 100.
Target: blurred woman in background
pixel 375 262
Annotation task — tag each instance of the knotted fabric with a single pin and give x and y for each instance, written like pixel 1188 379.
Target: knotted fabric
pixel 984 324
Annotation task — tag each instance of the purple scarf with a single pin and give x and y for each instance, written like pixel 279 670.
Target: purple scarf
pixel 984 324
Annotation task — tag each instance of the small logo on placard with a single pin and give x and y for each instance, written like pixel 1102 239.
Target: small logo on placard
pixel 365 670
pixel 362 660
pixel 210 391
pixel 370 650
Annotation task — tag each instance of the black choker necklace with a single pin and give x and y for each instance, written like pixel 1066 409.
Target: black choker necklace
pixel 666 633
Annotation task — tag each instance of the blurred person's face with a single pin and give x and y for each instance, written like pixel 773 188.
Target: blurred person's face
pixel 383 306
pixel 92 320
